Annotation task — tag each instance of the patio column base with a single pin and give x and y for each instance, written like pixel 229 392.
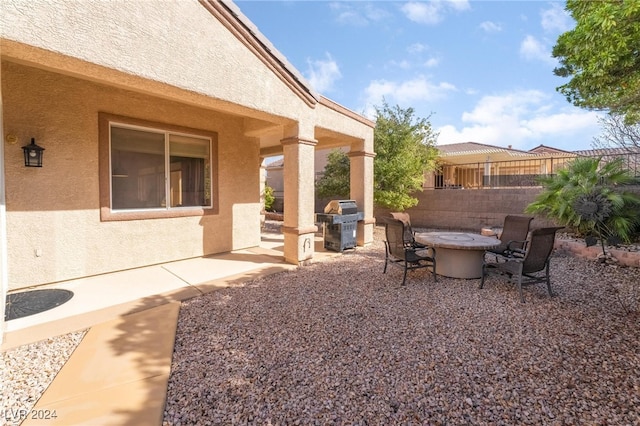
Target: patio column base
pixel 299 244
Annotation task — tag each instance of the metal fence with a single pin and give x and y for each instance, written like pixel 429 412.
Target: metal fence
pixel 512 174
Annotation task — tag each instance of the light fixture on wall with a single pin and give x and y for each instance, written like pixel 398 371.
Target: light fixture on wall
pixel 33 154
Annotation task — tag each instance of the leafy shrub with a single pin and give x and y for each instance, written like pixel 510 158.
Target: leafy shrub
pixel 269 198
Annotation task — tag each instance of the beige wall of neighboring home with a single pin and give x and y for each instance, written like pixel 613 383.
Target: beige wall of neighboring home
pixel 199 66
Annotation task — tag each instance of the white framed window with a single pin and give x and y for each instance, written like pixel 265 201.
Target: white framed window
pixel 153 170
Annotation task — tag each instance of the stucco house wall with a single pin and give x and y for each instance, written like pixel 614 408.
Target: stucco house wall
pixel 177 44
pixel 195 65
pixel 53 215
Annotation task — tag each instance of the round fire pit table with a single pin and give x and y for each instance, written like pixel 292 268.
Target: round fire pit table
pixel 458 254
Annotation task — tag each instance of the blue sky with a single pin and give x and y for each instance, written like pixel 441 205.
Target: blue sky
pixel 483 69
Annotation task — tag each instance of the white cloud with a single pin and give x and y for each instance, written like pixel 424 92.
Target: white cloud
pixel 556 20
pixel 521 119
pixel 458 5
pixel 416 48
pixel 350 17
pixel 375 13
pixel 497 109
pixel 322 74
pixel 564 122
pixel 533 49
pixel 432 62
pixel 357 13
pixel 404 64
pixel 490 27
pixel 432 12
pixel 423 13
pixel 404 93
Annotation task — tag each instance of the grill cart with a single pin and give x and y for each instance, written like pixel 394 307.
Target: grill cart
pixel 339 224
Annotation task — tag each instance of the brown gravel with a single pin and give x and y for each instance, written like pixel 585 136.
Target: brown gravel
pixel 338 342
pixel 27 371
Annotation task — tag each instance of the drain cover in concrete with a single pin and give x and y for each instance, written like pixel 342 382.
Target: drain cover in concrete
pixel 33 302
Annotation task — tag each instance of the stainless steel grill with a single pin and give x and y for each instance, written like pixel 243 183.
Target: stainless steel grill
pixel 339 224
pixel 341 207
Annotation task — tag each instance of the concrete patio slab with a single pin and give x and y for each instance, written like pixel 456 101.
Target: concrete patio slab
pixel 118 374
pixel 102 297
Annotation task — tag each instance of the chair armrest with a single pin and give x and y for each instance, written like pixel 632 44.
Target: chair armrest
pixel 430 252
pixel 496 257
pixel 416 244
pixel 516 252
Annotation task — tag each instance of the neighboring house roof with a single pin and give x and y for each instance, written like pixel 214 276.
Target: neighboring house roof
pixel 608 151
pixel 474 152
pixel 467 148
pixel 544 149
pixel 278 164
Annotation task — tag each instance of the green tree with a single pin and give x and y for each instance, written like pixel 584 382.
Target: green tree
pixel 335 180
pixel 601 56
pixel 589 195
pixel 269 198
pixel 405 149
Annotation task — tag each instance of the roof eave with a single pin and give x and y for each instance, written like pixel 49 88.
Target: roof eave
pixel 239 25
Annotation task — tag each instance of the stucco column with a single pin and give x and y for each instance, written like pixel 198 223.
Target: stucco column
pixel 361 188
pixel 299 192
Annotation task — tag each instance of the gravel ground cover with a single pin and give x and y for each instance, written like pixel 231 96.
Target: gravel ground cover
pixel 27 371
pixel 338 342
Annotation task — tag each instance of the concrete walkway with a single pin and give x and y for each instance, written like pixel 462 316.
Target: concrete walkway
pixel 118 374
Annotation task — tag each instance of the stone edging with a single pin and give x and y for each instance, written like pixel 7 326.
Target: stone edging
pixel 274 216
pixel 579 248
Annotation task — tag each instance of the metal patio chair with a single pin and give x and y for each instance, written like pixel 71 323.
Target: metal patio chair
pixel 400 253
pixel 530 265
pixel 409 233
pixel 514 234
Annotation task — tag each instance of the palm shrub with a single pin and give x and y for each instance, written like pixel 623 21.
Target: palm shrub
pixel 591 196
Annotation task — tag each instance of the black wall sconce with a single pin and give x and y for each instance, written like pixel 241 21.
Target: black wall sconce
pixel 33 154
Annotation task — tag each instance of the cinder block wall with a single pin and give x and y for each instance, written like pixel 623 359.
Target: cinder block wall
pixel 462 209
pixel 472 209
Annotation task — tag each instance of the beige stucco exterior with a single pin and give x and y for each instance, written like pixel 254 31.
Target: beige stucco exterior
pixel 67 231
pixel 65 64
